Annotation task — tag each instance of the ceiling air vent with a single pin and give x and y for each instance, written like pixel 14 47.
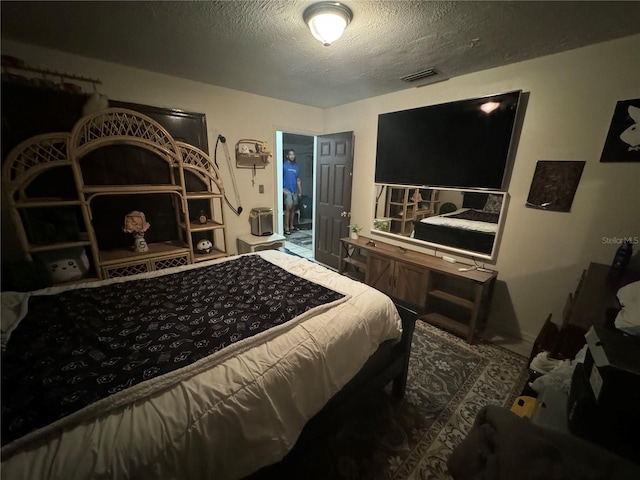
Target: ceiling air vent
pixel 421 75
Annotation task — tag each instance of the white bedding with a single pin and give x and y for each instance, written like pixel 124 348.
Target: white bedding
pixel 230 420
pixel 446 220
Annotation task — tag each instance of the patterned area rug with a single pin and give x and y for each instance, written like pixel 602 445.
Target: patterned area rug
pixel 301 238
pixel 383 438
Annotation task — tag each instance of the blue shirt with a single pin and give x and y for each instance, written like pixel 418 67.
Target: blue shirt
pixel 290 174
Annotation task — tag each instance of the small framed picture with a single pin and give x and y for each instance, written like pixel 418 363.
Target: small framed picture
pixel 554 185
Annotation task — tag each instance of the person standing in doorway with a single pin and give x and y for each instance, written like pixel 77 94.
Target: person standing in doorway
pixel 292 189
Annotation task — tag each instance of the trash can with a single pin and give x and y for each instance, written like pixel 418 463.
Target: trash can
pixel 261 219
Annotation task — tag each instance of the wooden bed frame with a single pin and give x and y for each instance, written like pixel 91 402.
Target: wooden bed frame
pixel 389 363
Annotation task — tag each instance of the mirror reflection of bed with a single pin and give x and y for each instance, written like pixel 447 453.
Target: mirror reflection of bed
pixel 461 221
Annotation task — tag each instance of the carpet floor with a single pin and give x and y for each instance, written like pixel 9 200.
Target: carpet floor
pixel 411 439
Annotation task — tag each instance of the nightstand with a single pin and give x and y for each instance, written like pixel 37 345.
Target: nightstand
pixel 254 243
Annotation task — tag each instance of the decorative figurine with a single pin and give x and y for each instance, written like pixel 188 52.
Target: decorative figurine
pixel 135 222
pixel 204 246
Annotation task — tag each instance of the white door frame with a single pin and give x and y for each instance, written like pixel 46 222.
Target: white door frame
pixel 278 183
pixel 279 203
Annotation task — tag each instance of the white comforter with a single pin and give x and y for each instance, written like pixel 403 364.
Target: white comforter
pixel 233 419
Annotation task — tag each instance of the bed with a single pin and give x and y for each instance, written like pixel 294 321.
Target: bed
pixel 226 414
pixel 473 227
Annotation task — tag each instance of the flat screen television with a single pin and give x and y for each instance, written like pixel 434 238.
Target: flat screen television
pixel 463 144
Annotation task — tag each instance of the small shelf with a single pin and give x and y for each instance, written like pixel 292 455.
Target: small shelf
pixel 251 154
pixel 201 227
pixel 213 254
pixel 109 257
pixel 352 254
pixel 58 246
pixel 448 297
pixel 355 262
pixel 130 189
pixel 46 202
pixel 424 211
pixel 446 323
pixel 19 65
pixel 405 205
pixel 202 195
pixel 59 205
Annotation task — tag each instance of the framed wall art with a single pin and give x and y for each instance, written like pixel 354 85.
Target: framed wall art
pixel 623 140
pixel 554 185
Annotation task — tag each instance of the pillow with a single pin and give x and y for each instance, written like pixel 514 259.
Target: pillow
pixel 14 309
pixel 66 264
pixel 474 200
pixel 493 205
pixel 628 319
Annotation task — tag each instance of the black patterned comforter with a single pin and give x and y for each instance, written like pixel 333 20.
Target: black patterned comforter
pixel 84 348
pixel 476 215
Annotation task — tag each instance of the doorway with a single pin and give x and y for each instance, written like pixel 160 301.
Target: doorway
pixel 301 239
pixel 326 171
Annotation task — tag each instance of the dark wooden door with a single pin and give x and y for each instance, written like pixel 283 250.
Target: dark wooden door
pixel 334 167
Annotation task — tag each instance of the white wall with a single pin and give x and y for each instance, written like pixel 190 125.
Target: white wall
pixel 231 113
pixel 572 97
pixel 571 100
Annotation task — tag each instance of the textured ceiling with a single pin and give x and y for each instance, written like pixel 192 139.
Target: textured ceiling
pixel 264 47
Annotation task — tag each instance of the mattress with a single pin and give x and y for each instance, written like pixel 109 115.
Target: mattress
pixel 233 418
pixel 464 234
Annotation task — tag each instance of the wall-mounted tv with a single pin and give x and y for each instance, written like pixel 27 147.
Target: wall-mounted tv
pixel 463 144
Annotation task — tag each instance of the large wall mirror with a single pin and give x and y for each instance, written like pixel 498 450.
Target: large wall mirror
pixel 468 222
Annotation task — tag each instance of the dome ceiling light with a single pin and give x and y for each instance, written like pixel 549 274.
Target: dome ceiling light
pixel 327 20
